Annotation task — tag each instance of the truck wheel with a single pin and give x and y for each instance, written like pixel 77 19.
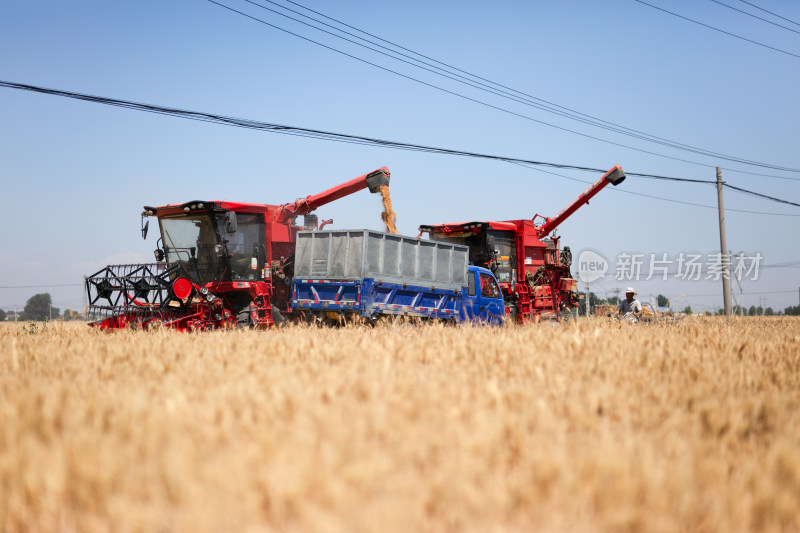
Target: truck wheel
pixel 403 321
pixel 395 321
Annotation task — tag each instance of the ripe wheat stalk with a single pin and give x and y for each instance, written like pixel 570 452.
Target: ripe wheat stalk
pixel 590 427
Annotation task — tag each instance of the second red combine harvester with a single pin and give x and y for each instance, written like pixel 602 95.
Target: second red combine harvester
pixel 532 269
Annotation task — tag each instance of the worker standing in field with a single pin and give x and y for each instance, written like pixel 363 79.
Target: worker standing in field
pixel 630 306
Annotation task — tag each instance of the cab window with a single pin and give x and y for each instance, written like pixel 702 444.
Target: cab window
pixel 489 287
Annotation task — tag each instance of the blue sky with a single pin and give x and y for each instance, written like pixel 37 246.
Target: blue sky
pixel 75 175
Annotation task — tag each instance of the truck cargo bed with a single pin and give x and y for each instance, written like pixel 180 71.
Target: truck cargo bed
pixel 379 298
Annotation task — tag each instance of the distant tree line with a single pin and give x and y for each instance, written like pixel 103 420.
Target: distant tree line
pixel 39 307
pixel 594 301
pixel 760 311
pixel 663 301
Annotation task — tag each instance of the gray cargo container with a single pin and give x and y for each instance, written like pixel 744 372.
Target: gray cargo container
pixel 385 257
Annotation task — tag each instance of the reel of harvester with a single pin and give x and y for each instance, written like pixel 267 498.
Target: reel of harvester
pixel 152 295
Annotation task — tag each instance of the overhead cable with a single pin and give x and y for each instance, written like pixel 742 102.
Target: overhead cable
pixel 760 195
pixel 546 104
pixel 507 92
pixel 672 200
pixel 770 12
pixel 340 137
pixel 720 30
pixel 477 82
pixel 307 132
pixel 670 144
pixel 755 16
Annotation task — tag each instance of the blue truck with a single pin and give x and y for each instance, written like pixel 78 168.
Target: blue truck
pixel 344 274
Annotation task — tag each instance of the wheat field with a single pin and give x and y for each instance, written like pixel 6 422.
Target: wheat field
pixel 581 428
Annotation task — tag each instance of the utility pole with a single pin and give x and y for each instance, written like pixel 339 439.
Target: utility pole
pixel 587 300
pixel 726 291
pixel 739 282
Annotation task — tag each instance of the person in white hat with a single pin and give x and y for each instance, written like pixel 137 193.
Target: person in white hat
pixel 630 305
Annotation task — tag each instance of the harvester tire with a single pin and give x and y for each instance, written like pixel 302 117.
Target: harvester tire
pixel 243 318
pixel 277 317
pixel 512 314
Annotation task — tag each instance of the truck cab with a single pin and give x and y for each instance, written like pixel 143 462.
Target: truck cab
pixel 483 301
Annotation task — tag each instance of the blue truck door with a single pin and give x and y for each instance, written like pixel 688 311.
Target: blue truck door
pixel 490 301
pixel 484 301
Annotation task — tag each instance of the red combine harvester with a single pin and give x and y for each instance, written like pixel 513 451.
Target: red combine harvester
pixel 534 273
pixel 219 264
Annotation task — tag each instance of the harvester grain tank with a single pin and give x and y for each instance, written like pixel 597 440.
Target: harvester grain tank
pixel 218 263
pixel 533 270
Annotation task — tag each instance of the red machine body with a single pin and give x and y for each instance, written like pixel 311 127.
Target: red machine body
pixel 218 264
pixel 532 269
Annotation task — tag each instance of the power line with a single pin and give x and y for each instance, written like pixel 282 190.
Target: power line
pixel 754 16
pixel 529 97
pixel 770 12
pixel 789 264
pixel 339 137
pixel 624 191
pixel 719 30
pixel 759 174
pixel 671 144
pixel 306 132
pixel 760 195
pixel 477 82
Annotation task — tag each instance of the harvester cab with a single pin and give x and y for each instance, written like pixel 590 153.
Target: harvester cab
pixel 532 269
pixel 217 263
pixel 211 242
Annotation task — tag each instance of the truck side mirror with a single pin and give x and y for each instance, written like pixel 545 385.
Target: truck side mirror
pixel 230 222
pixel 145 227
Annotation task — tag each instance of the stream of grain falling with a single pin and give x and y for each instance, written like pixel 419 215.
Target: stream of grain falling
pixel 389 216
